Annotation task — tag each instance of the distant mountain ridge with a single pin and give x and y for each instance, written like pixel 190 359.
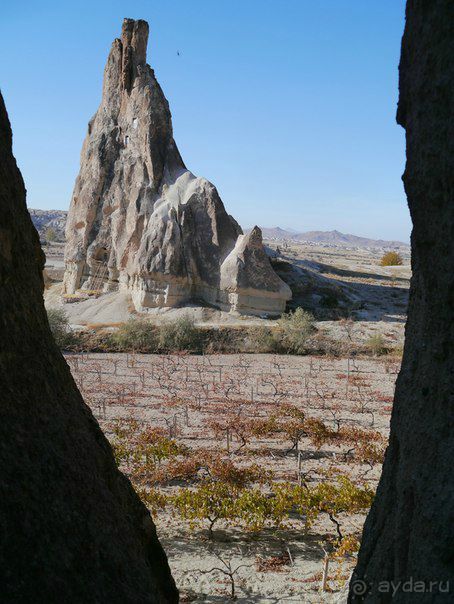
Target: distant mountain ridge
pixel 56 219
pixel 45 219
pixel 334 237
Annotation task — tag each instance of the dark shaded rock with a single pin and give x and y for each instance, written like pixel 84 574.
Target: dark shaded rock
pixel 72 529
pixel 409 533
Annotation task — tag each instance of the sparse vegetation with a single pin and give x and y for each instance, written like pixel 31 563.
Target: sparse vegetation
pixel 171 336
pixel 181 334
pixel 263 339
pixel 136 334
pixel 295 329
pixel 139 335
pixel 222 446
pixel 50 235
pixel 377 345
pixel 290 335
pixel 58 322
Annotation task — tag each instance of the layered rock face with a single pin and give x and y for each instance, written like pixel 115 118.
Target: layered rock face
pixel 72 529
pixel 409 534
pixel 139 220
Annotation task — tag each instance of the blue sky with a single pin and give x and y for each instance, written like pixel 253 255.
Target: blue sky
pixel 287 106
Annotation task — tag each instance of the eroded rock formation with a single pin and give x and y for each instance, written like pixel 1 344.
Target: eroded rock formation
pixel 409 534
pixel 139 220
pixel 72 528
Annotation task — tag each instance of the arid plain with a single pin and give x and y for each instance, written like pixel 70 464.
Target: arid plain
pixel 265 432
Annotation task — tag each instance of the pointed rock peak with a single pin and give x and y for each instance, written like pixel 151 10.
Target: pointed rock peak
pixel 254 237
pixel 134 34
pixel 141 219
pixel 134 39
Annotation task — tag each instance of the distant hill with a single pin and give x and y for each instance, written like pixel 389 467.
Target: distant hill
pixel 335 238
pixel 343 239
pixel 277 233
pixel 45 219
pixel 56 219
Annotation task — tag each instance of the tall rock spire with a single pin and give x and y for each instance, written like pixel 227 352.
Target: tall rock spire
pixel 159 231
pixel 134 39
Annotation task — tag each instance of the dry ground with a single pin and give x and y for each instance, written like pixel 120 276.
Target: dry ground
pixel 183 394
pixel 374 297
pixel 186 395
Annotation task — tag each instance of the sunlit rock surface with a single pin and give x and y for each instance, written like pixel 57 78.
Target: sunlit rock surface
pixel 139 220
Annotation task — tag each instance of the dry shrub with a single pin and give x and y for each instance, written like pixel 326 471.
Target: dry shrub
pixel 262 339
pixel 376 345
pixel 172 336
pixel 63 335
pixel 181 334
pixel 391 259
pixel 291 335
pixel 227 340
pixel 296 328
pixel 135 334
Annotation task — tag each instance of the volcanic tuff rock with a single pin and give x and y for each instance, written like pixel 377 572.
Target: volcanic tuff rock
pixel 407 552
pixel 144 222
pixel 71 527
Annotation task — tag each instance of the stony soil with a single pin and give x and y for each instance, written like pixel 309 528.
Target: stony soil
pixel 350 392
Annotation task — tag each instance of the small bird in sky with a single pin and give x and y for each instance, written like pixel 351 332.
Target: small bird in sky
pixel 178 53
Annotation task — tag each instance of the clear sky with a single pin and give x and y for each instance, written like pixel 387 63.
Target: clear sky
pixel 287 106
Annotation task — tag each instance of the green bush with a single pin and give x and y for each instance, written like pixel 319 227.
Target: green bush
pixel 140 335
pixel 50 235
pixel 290 335
pixel 377 345
pixel 58 322
pixel 211 501
pixel 254 509
pixel 181 334
pixel 295 329
pixel 136 334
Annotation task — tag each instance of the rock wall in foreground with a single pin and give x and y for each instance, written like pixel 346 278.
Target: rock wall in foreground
pixel 142 220
pixel 409 533
pixel 72 529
